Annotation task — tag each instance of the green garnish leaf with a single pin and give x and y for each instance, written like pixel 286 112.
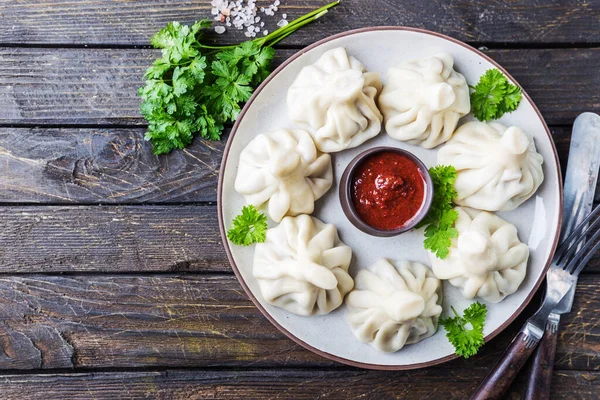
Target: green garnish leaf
pixel 249 227
pixel 493 96
pixel 439 221
pixel 194 89
pixel 466 332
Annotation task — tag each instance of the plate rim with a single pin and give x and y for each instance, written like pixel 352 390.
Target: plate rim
pixel 242 282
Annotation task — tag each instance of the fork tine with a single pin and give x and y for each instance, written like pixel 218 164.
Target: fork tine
pixel 572 263
pixel 572 247
pixel 586 259
pixel 575 234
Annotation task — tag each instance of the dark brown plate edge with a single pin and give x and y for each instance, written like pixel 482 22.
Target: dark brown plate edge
pixel 249 292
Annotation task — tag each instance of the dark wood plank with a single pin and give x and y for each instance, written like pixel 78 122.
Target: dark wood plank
pixel 53 239
pixel 99 86
pixel 75 86
pixel 198 321
pixel 125 22
pixel 110 239
pixel 47 165
pixel 281 384
pixel 116 166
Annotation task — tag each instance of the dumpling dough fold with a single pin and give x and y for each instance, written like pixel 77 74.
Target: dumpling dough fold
pixel 334 99
pixel 423 100
pixel 487 260
pixel 394 303
pixel 498 168
pixel 284 169
pixel 303 266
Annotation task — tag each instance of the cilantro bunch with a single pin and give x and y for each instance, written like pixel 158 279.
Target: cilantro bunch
pixel 194 89
pixel 493 96
pixel 439 221
pixel 466 332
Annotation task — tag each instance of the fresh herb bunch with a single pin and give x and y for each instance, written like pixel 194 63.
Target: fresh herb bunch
pixel 249 227
pixel 439 221
pixel 194 89
pixel 467 340
pixel 493 96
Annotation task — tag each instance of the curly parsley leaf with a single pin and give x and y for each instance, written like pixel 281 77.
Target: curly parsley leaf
pixel 439 221
pixel 493 96
pixel 194 89
pixel 249 227
pixel 466 332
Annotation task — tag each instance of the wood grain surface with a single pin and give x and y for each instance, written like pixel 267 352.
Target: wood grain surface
pixel 57 239
pixel 115 22
pixel 99 86
pixel 100 321
pixel 111 239
pixel 116 166
pixel 301 384
pixel 103 166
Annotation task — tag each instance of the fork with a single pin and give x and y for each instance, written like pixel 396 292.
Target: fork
pixel 569 260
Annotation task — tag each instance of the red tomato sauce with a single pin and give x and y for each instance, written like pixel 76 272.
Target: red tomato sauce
pixel 388 190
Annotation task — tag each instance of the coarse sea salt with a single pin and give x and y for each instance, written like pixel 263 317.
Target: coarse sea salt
pixel 242 14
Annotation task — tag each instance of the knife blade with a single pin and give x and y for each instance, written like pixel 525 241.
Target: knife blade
pixel 580 185
pixel 580 182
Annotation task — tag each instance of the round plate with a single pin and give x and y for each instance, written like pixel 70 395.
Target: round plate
pixel 538 220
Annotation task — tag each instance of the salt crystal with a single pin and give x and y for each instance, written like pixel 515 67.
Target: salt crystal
pixel 214 11
pixel 265 32
pixel 276 3
pixel 257 29
pixel 248 34
pixel 262 24
pixel 281 23
pixel 228 24
pixel 253 34
pixel 262 9
pixel 275 8
pixel 284 16
pixel 219 29
pixel 257 19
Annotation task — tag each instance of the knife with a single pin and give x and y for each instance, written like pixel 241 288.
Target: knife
pixel 580 185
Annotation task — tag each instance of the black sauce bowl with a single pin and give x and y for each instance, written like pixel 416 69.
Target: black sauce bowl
pixel 348 204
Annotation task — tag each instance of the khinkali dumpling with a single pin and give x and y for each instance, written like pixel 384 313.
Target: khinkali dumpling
pixel 423 100
pixel 334 99
pixel 498 168
pixel 284 168
pixel 394 303
pixel 302 267
pixel 487 259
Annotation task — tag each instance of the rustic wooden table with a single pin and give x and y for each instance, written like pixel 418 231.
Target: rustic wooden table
pixel 114 282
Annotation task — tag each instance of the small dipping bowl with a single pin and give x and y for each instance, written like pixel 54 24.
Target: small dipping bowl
pixel 348 198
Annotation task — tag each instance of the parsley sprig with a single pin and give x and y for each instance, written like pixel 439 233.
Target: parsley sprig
pixel 249 227
pixel 439 221
pixel 466 332
pixel 194 89
pixel 493 96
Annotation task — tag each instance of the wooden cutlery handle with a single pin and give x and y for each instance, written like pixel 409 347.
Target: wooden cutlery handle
pixel 499 379
pixel 540 373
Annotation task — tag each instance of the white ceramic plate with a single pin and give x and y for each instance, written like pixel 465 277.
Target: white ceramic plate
pixel 538 220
